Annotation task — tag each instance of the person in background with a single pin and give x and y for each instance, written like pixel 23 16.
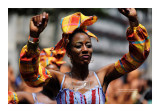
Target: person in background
pixel 131 90
pixel 22 86
pixel 46 96
pixel 11 79
pixel 51 60
pixel 145 95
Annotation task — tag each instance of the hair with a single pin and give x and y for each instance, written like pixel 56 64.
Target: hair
pixel 78 30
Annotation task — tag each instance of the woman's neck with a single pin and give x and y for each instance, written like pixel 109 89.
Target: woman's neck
pixel 80 72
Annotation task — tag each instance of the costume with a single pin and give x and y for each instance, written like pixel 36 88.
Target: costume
pixel 66 96
pixel 12 98
pixel 32 64
pixel 32 71
pixel 139 47
pixel 93 96
pixel 72 22
pixel 51 56
pixel 35 74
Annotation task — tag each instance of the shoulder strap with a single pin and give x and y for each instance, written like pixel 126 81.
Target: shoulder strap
pixel 34 97
pixel 62 82
pixel 97 79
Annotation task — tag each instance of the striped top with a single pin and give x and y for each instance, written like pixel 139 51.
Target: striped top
pixel 93 96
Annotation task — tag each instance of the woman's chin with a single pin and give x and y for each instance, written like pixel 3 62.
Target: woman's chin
pixel 85 62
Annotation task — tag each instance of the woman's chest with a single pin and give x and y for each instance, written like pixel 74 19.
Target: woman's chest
pixel 93 96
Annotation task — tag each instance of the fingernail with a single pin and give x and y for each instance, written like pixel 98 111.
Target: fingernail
pixel 40 23
pixel 43 16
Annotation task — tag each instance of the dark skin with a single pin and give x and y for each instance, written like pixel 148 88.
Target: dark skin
pixel 81 53
pixel 44 96
pixel 27 98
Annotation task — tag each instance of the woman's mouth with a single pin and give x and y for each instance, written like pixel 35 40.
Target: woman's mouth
pixel 85 56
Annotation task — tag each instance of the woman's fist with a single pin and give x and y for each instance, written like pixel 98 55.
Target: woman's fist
pixel 37 24
pixel 130 13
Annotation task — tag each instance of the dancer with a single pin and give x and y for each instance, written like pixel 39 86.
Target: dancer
pixel 81 85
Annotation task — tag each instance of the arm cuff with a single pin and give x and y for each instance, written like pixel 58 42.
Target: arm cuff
pixel 31 39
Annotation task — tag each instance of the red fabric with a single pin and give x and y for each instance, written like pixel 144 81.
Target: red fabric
pixel 85 99
pixel 75 20
pixel 71 99
pixel 93 96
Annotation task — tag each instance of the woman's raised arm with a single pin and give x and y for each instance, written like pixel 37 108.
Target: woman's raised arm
pixel 139 48
pixel 33 73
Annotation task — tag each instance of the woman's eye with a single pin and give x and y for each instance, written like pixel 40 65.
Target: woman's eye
pixel 89 45
pixel 78 46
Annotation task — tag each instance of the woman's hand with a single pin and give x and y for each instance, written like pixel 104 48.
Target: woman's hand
pixel 131 14
pixel 37 24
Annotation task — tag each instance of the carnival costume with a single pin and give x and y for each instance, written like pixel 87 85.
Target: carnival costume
pixel 36 75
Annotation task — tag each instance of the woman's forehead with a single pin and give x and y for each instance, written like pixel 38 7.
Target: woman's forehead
pixel 81 37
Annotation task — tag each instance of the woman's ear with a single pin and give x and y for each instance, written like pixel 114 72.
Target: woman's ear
pixel 68 54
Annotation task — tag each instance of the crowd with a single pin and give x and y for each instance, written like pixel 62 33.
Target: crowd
pixel 130 89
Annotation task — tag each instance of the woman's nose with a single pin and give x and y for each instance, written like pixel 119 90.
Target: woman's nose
pixel 84 48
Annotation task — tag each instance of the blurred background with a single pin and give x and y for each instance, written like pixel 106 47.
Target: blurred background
pixel 110 28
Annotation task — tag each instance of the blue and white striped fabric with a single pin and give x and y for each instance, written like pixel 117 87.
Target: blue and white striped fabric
pixel 35 99
pixel 93 96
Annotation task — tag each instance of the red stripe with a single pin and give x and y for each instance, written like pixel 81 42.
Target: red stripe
pixel 43 72
pixel 130 35
pixel 65 97
pixel 93 97
pixel 85 99
pixel 99 95
pixel 71 99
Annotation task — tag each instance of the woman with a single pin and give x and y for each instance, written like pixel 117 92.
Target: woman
pixel 81 85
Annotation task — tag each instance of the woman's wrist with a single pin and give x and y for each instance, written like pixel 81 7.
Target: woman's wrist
pixel 33 39
pixel 133 22
pixel 32 43
pixel 34 35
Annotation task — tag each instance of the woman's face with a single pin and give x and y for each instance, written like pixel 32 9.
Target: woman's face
pixel 81 49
